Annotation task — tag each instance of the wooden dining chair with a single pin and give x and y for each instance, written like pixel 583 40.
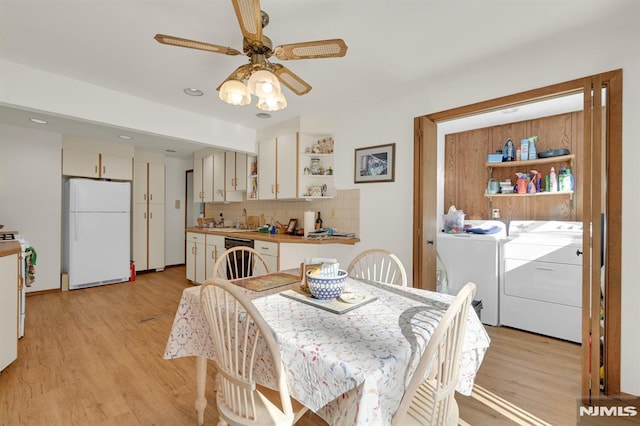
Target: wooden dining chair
pixel 239 262
pixel 378 265
pixel 239 333
pixel 429 396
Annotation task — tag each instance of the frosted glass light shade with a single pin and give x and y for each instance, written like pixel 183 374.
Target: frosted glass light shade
pixel 234 92
pixel 275 103
pixel 264 84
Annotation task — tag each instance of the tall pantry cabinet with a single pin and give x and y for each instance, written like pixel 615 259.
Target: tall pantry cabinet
pixel 148 211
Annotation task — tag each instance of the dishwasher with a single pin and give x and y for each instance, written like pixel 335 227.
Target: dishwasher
pixel 238 266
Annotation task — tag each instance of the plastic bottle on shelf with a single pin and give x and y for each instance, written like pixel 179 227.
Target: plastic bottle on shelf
pixel 563 183
pixel 553 180
pixel 571 181
pixel 532 148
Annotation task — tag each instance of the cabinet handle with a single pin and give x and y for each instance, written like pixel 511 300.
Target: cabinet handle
pixel 150 215
pixel 578 252
pixel 145 215
pixel 96 169
pixel 273 187
pixel 430 242
pixel 193 250
pixel 144 197
pixel 104 169
pixel 150 197
pixel 545 269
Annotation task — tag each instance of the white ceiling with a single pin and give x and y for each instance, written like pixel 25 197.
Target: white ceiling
pixel 393 46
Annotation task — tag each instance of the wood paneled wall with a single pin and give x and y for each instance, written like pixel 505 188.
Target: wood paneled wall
pixel 466 175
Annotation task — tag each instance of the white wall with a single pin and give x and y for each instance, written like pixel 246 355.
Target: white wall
pixel 30 196
pixel 386 208
pixel 175 187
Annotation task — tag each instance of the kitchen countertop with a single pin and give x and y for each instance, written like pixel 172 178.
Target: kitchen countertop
pixel 276 238
pixel 9 247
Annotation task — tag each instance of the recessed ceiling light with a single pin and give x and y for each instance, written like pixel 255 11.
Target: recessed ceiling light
pixel 127 137
pixel 170 150
pixel 38 121
pixel 193 92
pixel 263 115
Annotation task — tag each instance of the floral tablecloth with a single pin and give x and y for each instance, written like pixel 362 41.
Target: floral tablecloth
pixel 349 368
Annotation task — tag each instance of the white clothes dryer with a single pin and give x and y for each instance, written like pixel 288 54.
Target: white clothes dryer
pixel 475 257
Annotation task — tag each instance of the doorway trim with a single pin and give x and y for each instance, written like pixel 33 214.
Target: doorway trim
pixel 425 214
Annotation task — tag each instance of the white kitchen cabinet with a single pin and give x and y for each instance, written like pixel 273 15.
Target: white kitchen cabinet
pixel 203 179
pixel 148 213
pixel 277 167
pixel 95 165
pixel 219 193
pixel 8 309
pixel 195 260
pixel 269 252
pixel 214 246
pixel 267 170
pixel 95 159
pixel 235 171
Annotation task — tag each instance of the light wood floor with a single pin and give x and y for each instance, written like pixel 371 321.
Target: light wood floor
pixel 94 357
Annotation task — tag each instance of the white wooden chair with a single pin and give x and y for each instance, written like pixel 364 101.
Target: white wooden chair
pixel 378 265
pixel 239 262
pixel 429 396
pixel 238 331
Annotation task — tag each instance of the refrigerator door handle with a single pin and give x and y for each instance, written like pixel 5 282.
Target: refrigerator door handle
pixel 74 217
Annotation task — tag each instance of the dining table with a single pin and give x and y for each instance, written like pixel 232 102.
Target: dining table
pixel 349 367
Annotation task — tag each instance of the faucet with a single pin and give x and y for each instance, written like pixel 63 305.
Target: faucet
pixel 244 219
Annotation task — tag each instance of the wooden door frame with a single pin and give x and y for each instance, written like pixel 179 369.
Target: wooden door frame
pixel 425 213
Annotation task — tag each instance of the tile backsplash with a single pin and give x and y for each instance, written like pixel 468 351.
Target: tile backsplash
pixel 341 213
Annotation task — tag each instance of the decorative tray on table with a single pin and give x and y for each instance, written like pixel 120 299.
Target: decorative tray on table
pixel 346 302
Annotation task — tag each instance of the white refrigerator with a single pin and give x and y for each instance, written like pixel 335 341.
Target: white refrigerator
pixel 97 232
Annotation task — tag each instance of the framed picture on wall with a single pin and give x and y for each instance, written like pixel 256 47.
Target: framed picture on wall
pixel 375 164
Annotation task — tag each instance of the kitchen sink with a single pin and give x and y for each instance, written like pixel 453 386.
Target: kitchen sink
pixel 233 230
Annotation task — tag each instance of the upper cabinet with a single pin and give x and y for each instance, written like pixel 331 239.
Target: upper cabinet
pixel 277 166
pixel 219 176
pixel 94 159
pixel 203 178
pixel 235 171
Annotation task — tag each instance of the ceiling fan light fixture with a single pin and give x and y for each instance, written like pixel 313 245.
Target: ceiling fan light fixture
pixel 275 103
pixel 264 84
pixel 234 92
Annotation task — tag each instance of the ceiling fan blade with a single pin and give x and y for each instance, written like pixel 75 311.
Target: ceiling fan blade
pixel 333 48
pixel 240 73
pixel 292 81
pixel 192 44
pixel 250 19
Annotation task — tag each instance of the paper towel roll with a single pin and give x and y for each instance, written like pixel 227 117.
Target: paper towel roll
pixel 309 222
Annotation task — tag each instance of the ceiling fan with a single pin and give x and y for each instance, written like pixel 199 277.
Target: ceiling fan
pixel 260 70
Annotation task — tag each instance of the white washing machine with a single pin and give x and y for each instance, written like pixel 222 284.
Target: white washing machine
pixel 541 285
pixel 475 257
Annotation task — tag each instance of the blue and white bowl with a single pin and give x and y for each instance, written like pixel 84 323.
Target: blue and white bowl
pixel 326 288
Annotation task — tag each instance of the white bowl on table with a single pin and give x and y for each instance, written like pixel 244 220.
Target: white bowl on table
pixel 326 288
